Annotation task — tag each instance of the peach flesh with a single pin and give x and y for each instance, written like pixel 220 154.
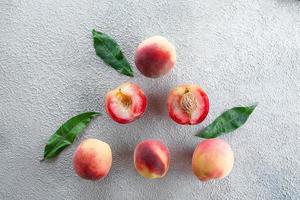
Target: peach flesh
pixel 126 103
pixel 188 104
pixel 151 159
pixel 92 159
pixel 212 159
pixel 155 57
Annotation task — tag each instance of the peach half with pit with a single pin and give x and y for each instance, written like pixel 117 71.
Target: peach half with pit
pixel 188 104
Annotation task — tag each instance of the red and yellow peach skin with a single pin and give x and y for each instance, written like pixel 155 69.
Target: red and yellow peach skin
pixel 155 57
pixel 188 104
pixel 92 159
pixel 212 159
pixel 151 159
pixel 126 103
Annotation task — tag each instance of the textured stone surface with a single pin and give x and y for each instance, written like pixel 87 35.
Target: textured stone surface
pixel 238 51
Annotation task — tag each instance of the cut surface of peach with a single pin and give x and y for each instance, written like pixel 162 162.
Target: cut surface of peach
pixel 126 103
pixel 188 104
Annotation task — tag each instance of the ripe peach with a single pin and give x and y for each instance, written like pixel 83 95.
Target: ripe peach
pixel 155 57
pixel 188 104
pixel 212 159
pixel 126 103
pixel 151 159
pixel 92 159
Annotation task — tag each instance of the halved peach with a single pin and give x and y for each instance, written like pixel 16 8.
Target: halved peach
pixel 188 104
pixel 126 103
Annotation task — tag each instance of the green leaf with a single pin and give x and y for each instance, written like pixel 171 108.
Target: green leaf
pixel 227 122
pixel 110 52
pixel 67 133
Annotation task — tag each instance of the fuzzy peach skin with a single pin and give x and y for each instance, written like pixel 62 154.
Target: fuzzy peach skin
pixel 92 159
pixel 188 104
pixel 212 159
pixel 126 103
pixel 151 159
pixel 155 57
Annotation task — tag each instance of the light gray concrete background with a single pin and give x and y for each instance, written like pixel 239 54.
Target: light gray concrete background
pixel 239 51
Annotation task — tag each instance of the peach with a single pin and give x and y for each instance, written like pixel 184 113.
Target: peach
pixel 92 159
pixel 188 104
pixel 126 103
pixel 151 159
pixel 212 159
pixel 155 57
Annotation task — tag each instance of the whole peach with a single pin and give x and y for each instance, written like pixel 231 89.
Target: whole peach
pixel 125 103
pixel 212 159
pixel 151 159
pixel 92 159
pixel 155 57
